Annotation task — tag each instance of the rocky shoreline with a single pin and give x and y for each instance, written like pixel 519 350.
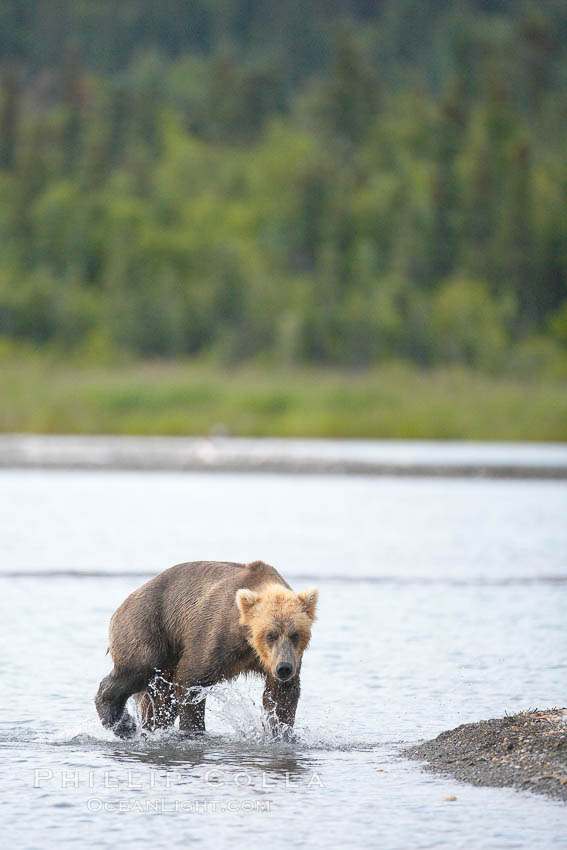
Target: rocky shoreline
pixel 420 459
pixel 527 751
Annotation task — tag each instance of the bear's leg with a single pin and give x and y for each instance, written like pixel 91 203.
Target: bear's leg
pixel 192 716
pixel 280 701
pixel 113 693
pixel 189 696
pixel 158 704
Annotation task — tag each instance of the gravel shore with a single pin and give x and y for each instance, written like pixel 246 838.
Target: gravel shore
pixel 526 751
pixel 405 458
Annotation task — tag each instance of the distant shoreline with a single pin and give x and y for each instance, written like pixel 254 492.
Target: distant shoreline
pixel 527 751
pixel 276 456
pixel 44 394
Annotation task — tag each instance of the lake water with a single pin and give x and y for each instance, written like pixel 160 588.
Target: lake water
pixel 441 602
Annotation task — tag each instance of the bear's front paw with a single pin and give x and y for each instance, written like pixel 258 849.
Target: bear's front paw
pixel 126 726
pixel 284 734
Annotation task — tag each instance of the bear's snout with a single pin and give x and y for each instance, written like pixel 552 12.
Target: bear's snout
pixel 284 670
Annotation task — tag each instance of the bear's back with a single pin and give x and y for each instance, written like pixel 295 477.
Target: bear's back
pixel 202 594
pixel 202 575
pixel 193 602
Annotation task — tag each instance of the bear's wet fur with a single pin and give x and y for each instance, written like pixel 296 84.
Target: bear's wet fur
pixel 197 624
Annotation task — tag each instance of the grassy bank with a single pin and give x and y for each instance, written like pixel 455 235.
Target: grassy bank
pixel 50 396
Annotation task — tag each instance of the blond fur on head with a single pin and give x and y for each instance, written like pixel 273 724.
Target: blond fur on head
pixel 308 599
pixel 280 600
pixel 245 599
pixel 278 622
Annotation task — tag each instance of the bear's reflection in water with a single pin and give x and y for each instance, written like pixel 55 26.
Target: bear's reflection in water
pixel 220 759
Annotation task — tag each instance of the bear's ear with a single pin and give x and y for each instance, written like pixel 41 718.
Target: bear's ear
pixel 308 599
pixel 246 599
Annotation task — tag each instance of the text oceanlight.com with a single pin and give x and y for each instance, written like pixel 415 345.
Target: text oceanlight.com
pixel 197 806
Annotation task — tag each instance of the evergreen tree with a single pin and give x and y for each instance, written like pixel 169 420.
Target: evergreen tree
pixel 10 109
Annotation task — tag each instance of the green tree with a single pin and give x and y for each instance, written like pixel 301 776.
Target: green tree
pixel 10 108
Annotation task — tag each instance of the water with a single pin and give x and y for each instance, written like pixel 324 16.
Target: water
pixel 441 602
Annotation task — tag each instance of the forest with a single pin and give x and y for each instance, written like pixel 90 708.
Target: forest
pixel 335 182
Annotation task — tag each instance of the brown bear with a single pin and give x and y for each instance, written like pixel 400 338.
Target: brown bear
pixel 199 623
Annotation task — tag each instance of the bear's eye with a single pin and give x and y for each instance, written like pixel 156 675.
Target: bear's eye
pixel 294 636
pixel 271 637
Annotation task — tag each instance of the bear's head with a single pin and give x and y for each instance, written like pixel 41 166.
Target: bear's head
pixel 278 623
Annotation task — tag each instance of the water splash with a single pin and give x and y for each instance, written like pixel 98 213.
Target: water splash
pixel 235 717
pixel 233 707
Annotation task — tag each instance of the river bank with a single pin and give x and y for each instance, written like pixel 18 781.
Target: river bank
pixel 45 394
pixel 526 751
pixel 403 458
